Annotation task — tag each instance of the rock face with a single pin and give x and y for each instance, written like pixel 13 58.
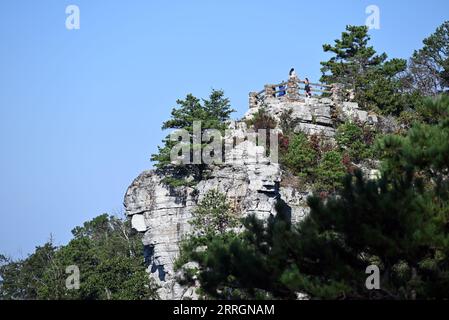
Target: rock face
pixel 252 185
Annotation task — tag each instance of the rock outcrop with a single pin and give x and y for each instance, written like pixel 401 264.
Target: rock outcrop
pixel 252 186
pixel 162 213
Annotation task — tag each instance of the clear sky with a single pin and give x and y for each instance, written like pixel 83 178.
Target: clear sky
pixel 81 110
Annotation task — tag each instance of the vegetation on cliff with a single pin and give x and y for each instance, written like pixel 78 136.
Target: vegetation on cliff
pixel 398 222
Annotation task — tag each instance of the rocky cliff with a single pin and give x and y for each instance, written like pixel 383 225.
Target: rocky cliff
pixel 252 184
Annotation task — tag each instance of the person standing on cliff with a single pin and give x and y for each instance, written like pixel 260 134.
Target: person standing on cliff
pixel 282 89
pixel 307 88
pixel 292 74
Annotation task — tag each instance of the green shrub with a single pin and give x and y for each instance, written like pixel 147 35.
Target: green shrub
pixel 213 219
pixel 300 156
pixel 330 172
pixel 213 215
pixel 355 141
pixel 287 123
pixel 261 120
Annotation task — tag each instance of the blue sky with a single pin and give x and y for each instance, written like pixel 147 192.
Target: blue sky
pixel 81 110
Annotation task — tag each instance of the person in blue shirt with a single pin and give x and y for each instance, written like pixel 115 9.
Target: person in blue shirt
pixel 282 90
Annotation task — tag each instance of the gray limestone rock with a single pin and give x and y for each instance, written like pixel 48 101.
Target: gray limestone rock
pixel 251 184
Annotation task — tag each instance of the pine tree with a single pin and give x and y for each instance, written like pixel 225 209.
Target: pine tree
pixel 357 66
pixel 213 113
pixel 429 67
pixel 352 57
pixel 213 215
